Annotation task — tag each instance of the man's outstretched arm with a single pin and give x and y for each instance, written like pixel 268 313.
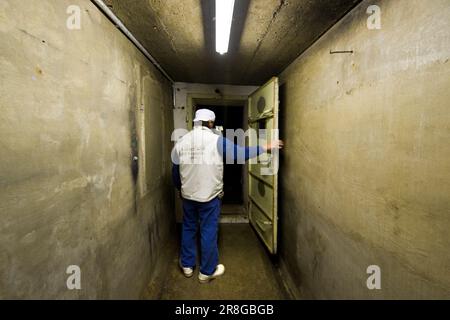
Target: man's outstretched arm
pixel 239 154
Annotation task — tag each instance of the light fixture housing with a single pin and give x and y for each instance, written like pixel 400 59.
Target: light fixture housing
pixel 224 19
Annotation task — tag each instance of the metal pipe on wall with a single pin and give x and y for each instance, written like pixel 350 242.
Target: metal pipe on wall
pixel 107 11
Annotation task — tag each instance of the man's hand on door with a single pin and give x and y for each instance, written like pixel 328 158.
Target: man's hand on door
pixel 276 144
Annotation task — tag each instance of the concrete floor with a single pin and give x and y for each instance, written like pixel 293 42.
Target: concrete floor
pixel 250 274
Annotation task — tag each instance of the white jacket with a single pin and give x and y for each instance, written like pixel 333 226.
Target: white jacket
pixel 201 165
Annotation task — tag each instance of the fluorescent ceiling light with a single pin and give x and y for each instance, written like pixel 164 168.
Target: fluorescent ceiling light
pixel 224 18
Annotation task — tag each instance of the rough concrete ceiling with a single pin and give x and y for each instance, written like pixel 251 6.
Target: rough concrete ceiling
pixel 267 35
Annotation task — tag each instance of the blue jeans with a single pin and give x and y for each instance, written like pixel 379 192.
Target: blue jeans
pixel 207 214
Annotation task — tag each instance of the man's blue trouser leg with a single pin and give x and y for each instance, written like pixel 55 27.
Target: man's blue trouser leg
pixel 208 214
pixel 209 224
pixel 188 234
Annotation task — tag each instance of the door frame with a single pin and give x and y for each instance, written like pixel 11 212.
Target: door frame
pixel 193 99
pixel 211 99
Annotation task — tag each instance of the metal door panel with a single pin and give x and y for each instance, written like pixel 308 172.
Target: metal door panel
pixel 263 188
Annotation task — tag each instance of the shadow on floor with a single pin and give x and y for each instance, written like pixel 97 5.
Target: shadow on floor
pixel 250 275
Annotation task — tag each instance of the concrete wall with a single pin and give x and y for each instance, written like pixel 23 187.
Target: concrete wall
pixel 74 104
pixel 366 173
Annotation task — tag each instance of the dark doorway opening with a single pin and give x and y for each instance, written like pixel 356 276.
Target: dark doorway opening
pixel 230 117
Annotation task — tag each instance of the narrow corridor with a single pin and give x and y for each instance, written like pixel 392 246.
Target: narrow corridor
pixel 342 108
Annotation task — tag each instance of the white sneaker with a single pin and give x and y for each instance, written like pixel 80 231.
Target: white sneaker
pixel 220 270
pixel 188 272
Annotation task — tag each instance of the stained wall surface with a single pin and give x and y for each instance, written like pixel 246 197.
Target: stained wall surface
pixel 75 105
pixel 365 176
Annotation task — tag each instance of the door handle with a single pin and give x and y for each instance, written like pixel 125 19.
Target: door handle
pixel 267 160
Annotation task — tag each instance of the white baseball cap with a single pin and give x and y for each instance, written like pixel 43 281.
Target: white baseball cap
pixel 204 115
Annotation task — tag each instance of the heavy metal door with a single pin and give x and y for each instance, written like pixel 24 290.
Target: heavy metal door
pixel 263 173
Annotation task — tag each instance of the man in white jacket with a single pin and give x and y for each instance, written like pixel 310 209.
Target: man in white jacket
pixel 198 174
